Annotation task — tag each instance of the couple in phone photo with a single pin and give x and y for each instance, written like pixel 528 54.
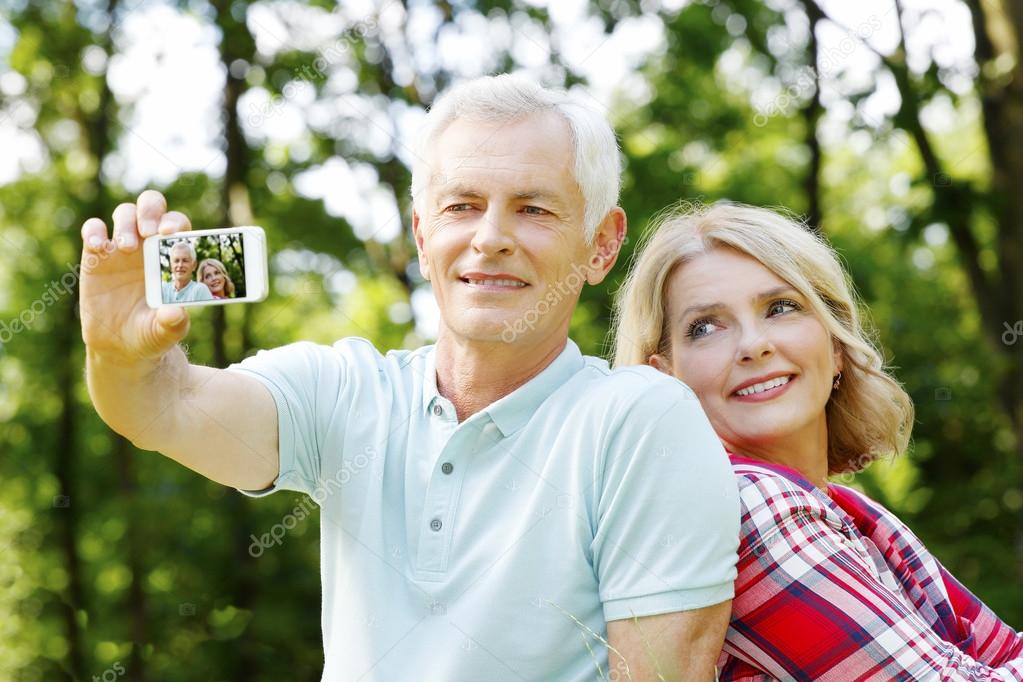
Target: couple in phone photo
pixel 213 283
pixel 530 512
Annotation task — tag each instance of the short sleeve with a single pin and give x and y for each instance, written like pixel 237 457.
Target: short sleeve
pixel 668 512
pixel 305 380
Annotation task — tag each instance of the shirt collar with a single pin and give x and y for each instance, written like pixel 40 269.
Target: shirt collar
pixel 513 410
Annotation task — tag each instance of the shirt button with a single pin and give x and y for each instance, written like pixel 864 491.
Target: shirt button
pixel 437 410
pixel 447 467
pixel 435 524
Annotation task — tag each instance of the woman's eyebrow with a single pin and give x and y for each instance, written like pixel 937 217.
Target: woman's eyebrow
pixel 770 293
pixel 777 291
pixel 700 308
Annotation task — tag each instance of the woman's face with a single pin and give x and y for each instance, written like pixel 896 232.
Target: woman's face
pixel 748 344
pixel 213 279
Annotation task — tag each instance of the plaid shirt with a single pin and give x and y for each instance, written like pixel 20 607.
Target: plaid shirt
pixel 834 587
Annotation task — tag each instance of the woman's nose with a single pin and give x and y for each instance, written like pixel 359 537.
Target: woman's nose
pixel 755 344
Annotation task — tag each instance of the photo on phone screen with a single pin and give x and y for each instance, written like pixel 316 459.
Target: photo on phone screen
pixel 207 268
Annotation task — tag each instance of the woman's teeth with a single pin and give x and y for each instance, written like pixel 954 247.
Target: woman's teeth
pixel 760 388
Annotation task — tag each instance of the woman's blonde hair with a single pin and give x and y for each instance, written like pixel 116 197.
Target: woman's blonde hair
pixel 228 284
pixel 870 416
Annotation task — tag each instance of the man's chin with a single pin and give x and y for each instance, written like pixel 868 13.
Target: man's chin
pixel 506 329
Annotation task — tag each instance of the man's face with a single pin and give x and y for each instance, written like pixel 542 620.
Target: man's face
pixel 500 235
pixel 182 265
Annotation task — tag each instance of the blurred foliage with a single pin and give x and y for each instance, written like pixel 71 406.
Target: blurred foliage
pixel 143 571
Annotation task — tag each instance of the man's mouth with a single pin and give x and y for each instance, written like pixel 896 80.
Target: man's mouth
pixel 496 281
pixel 507 283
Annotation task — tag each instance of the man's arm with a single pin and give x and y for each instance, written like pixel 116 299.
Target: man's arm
pixel 220 424
pixel 679 646
pixel 667 534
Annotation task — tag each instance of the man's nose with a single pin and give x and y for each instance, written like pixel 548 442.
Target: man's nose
pixel 494 233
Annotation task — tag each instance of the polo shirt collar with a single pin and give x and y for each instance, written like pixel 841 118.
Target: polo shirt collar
pixel 513 410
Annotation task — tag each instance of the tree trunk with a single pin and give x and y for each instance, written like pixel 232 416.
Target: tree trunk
pixel 237 43
pixel 66 450
pixel 137 610
pixel 811 115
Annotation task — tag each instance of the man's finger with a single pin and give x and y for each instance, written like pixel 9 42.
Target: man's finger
pixel 174 221
pixel 151 205
pixel 94 235
pixel 125 234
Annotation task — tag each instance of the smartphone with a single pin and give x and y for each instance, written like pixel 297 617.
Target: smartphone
pixel 206 267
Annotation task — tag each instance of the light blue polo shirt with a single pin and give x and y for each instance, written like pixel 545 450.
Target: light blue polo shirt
pixel 193 291
pixel 497 548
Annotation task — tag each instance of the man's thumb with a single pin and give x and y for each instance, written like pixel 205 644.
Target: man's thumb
pixel 171 316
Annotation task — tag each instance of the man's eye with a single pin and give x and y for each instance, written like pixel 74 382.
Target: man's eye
pixel 457 208
pixel 535 210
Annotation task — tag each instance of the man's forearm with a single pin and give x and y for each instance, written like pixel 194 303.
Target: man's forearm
pixel 138 399
pixel 204 418
pixel 672 647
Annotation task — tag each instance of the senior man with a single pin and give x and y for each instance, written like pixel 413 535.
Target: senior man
pixel 182 288
pixel 494 506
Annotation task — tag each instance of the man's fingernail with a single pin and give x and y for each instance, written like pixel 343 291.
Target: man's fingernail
pixel 148 227
pixel 95 241
pixel 125 240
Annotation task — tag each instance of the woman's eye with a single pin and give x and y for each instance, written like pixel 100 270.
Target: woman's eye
pixel 700 328
pixel 783 306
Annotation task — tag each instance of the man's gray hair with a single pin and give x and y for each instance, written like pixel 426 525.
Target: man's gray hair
pixel 506 98
pixel 184 244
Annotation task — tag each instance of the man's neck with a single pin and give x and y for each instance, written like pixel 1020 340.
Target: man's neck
pixel 473 375
pixel 179 284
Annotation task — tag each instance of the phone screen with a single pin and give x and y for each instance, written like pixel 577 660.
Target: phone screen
pixel 202 268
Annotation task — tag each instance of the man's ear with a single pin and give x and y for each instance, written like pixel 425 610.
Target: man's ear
pixel 660 363
pixel 417 233
pixel 607 244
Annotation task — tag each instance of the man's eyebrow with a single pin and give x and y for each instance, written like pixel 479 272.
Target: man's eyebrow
pixel 770 293
pixel 459 191
pixel 536 194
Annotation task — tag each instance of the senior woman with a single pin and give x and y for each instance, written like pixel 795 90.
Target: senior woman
pixel 213 274
pixel 757 316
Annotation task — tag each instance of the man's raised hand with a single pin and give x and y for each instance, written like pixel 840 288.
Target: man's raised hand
pixel 116 322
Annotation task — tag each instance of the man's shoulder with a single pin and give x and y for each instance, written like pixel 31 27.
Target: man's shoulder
pixel 641 386
pixel 350 350
pixel 197 291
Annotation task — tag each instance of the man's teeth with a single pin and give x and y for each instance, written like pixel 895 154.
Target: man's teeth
pixel 497 282
pixel 760 388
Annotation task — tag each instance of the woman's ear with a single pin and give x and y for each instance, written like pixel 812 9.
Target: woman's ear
pixel 838 353
pixel 659 362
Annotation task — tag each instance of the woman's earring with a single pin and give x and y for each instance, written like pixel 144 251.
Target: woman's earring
pixel 838 380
